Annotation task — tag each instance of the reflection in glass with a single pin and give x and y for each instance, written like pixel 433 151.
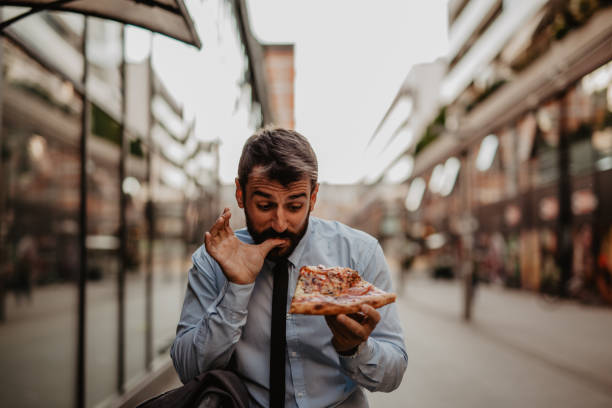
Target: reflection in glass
pixel 39 258
pixel 102 263
pixel 103 210
pixel 170 263
pixel 545 157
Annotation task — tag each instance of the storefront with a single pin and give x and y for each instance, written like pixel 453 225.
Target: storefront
pixel 541 203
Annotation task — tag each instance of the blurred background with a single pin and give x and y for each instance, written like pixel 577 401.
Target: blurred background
pixel 473 138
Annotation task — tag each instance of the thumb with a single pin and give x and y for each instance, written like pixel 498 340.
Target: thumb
pixel 268 244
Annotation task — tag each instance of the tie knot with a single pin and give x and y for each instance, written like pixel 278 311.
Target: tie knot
pixel 281 266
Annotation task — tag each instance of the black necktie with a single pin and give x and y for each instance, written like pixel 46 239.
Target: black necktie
pixel 278 342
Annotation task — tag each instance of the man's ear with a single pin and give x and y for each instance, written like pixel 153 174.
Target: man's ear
pixel 313 197
pixel 239 197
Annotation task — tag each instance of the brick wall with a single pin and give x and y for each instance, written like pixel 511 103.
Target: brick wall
pixel 280 75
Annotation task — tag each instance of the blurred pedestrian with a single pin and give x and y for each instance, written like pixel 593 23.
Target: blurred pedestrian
pixel 228 310
pixel 26 262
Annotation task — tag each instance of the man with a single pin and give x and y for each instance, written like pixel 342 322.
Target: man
pixel 226 317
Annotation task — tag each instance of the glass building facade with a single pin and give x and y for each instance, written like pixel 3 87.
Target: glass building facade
pixel 80 331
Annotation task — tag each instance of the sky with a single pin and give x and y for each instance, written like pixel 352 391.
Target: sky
pixel 351 56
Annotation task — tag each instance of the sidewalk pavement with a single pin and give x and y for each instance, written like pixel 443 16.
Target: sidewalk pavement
pixel 520 350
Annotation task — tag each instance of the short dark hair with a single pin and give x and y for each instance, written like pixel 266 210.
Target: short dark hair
pixel 283 154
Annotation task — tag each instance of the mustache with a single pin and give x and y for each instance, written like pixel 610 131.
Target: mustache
pixel 270 233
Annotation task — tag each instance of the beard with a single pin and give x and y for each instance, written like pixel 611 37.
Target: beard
pixel 278 252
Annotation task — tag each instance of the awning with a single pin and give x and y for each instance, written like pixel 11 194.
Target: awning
pixel 168 17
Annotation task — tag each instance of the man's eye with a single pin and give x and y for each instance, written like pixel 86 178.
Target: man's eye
pixel 295 207
pixel 264 207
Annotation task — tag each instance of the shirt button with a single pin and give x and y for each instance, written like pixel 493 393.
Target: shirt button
pixel 288 316
pixel 293 354
pixel 300 394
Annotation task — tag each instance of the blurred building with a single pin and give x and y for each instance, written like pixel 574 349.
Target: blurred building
pixel 414 106
pixel 513 167
pixel 280 77
pixel 150 190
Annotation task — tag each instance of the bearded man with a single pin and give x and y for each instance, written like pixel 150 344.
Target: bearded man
pixel 235 312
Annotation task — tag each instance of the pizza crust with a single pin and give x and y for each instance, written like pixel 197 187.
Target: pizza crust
pixel 331 308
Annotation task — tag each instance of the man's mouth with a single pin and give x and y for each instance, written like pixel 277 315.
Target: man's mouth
pixel 271 234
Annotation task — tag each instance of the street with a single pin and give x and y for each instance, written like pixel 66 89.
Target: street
pixel 519 351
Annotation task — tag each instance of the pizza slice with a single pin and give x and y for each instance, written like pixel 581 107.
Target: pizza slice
pixel 331 291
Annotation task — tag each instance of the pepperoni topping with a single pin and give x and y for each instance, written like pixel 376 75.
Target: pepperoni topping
pixel 358 290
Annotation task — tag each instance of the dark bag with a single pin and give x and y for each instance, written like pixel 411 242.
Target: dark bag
pixel 212 389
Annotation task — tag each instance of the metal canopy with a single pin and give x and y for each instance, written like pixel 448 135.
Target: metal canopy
pixel 168 17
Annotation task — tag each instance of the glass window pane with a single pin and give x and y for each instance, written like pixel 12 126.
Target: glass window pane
pixel 170 264
pixel 103 209
pixel 509 161
pixel 589 127
pixel 545 161
pixel 102 258
pixel 39 254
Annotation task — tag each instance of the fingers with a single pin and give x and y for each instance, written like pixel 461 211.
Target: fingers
pixel 340 330
pixel 268 244
pixel 372 315
pixel 331 322
pixel 359 317
pixel 211 242
pixel 221 225
pixel 207 238
pixel 351 329
pixel 356 326
pixel 226 217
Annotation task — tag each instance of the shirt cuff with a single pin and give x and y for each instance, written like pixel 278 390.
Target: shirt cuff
pixel 364 353
pixel 236 297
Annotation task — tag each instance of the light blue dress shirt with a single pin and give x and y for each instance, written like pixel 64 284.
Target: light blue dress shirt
pixel 220 318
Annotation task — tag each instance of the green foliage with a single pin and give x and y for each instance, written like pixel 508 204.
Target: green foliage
pixel 562 17
pixel 485 94
pixel 136 148
pixel 435 129
pixel 104 126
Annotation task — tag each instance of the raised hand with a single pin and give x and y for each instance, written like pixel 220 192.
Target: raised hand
pixel 240 262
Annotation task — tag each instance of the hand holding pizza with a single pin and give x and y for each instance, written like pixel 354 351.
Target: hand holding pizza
pixel 348 302
pixel 240 262
pixel 350 332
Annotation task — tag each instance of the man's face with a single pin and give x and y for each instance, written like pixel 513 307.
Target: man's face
pixel 276 211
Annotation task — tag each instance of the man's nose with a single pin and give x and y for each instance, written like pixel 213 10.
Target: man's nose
pixel 279 223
